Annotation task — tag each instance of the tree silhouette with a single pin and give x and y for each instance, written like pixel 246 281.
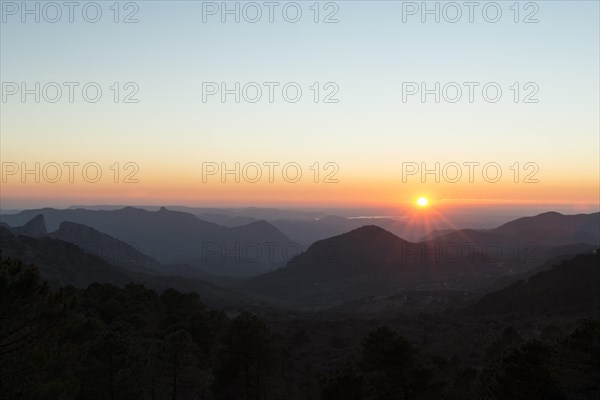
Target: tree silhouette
pixel 390 360
pixel 578 361
pixel 179 361
pixel 114 368
pixel 523 373
pixel 247 360
pixel 347 383
pixel 33 345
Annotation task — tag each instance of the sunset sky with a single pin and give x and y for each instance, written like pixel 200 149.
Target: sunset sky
pixel 367 136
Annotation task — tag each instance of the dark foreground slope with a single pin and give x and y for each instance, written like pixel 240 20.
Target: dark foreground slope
pixel 106 342
pixel 569 288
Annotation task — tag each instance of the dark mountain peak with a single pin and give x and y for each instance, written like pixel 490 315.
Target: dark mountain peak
pixel 38 220
pixel 550 217
pixel 367 243
pixel 369 228
pixel 358 263
pixel 368 232
pixel 368 237
pixel 550 214
pixel 163 209
pixel 36 227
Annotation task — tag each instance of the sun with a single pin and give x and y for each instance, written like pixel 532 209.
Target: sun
pixel 422 202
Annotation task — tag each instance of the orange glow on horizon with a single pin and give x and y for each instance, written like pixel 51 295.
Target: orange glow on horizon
pixel 165 186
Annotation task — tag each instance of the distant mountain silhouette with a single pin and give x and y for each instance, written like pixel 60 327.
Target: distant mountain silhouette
pixel 365 261
pixel 251 213
pixel 554 220
pixel 547 229
pixel 112 250
pixel 553 228
pixel 523 244
pixel 105 246
pixel 520 252
pixel 36 227
pixel 305 227
pixel 62 263
pixel 174 237
pixel 571 287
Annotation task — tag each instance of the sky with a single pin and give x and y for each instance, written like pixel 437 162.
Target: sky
pixel 360 132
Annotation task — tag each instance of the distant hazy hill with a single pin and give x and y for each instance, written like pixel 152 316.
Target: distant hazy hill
pixel 63 263
pixel 60 262
pixel 178 237
pixel 36 227
pixel 555 221
pixel 253 213
pixel 525 243
pixel 516 254
pixel 553 228
pixel 547 229
pixel 108 248
pixel 105 246
pixel 571 287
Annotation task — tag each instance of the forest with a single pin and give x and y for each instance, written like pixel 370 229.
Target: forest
pixel 129 343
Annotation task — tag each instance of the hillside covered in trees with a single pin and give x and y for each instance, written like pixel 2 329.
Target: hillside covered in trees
pixel 129 343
